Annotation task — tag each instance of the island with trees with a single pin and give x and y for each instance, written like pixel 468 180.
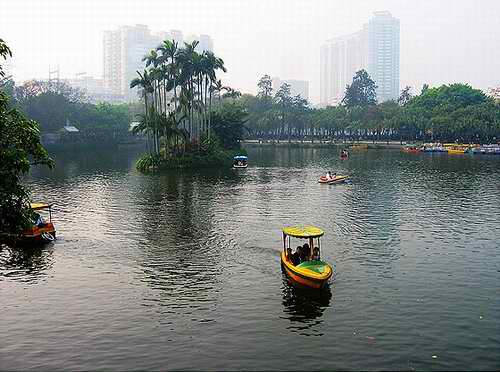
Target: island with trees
pixel 186 119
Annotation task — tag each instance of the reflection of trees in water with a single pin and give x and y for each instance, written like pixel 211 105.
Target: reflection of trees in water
pixel 281 156
pixel 25 264
pixel 183 250
pixel 75 161
pixel 304 307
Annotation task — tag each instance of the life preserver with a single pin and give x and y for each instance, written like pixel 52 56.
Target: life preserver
pixel 47 237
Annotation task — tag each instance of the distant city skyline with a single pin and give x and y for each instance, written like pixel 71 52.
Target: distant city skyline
pixel 442 41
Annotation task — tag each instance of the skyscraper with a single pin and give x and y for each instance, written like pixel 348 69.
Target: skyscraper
pixel 374 48
pixel 122 57
pixel 383 54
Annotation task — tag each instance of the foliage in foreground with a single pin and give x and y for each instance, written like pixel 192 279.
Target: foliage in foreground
pixel 20 148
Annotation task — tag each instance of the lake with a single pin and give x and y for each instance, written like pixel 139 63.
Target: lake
pixel 182 271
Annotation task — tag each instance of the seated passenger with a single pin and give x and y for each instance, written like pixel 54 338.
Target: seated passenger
pixel 38 220
pixel 306 252
pixel 296 256
pixel 315 256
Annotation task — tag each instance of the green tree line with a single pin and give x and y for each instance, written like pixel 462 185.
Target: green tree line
pixel 455 112
pixel 54 104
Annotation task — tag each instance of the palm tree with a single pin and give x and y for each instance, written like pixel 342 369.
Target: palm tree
pixel 192 77
pixel 144 82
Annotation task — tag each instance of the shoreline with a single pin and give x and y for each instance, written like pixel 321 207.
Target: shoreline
pixel 395 145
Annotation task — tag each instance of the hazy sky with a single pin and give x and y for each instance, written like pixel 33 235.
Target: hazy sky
pixel 442 41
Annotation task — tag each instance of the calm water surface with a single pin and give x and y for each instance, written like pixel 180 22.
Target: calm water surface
pixel 181 270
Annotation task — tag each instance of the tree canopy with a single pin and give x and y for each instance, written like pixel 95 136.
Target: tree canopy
pixel 361 92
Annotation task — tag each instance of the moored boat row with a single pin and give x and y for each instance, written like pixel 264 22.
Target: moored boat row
pixel 453 148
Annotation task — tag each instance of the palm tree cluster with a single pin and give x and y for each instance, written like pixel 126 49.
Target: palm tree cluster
pixel 177 87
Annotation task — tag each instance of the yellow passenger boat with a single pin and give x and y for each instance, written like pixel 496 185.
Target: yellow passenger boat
pixel 306 268
pixel 457 148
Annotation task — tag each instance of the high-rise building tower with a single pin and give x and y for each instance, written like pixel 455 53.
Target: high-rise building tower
pixel 375 48
pixel 123 52
pixel 341 57
pixel 383 54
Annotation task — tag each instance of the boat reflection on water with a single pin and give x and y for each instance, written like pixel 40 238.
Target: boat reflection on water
pixel 304 307
pixel 26 265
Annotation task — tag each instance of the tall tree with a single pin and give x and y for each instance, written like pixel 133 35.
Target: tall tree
pixel 265 85
pixel 361 92
pixel 4 53
pixel 405 96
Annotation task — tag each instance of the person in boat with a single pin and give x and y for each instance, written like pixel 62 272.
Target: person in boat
pixel 306 252
pixel 334 175
pixel 38 220
pixel 315 256
pixel 295 258
pixel 328 175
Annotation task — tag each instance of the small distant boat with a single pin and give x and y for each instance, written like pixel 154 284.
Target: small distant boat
pixel 359 146
pixel 487 150
pixel 43 230
pixel 344 154
pixel 433 148
pixel 305 269
pixel 240 161
pixel 455 148
pixel 411 149
pixel 333 179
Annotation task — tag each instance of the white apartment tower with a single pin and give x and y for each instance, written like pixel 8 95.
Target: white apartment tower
pixel 375 48
pixel 383 54
pixel 123 50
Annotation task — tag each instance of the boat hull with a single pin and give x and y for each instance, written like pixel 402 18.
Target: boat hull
pixel 303 277
pixel 455 152
pixel 39 235
pixel 240 166
pixel 338 179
